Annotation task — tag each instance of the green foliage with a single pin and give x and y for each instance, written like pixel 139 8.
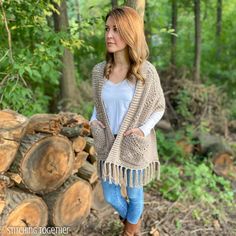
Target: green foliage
pixel 37 48
pixel 33 76
pixel 89 27
pixel 36 52
pixel 216 68
pixel 16 94
pixel 171 188
pixel 169 150
pixel 183 100
pixel 188 178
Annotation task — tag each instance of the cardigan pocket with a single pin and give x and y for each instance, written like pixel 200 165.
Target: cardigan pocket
pixel 134 147
pixel 99 137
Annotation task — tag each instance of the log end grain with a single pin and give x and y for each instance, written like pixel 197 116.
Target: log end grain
pixel 23 210
pixel 73 205
pixel 50 161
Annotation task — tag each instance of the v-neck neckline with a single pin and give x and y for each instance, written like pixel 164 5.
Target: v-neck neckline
pixel 116 84
pixel 136 97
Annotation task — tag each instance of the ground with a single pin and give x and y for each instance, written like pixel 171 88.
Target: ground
pixel 165 218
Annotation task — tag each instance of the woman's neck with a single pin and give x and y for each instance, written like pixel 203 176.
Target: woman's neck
pixel 121 59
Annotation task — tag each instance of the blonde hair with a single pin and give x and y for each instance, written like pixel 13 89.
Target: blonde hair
pixel 131 29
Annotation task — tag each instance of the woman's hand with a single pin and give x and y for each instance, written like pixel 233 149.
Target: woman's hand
pixel 98 122
pixel 136 131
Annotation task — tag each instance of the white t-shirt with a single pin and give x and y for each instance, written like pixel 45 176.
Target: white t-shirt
pixel 117 98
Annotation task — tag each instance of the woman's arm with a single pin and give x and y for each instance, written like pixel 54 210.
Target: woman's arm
pixel 151 122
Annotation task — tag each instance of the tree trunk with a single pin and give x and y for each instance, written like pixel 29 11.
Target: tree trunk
pixel 197 53
pixel 70 204
pixel 218 28
pixel 68 81
pixel 12 129
pixel 22 210
pixel 49 158
pixel 114 3
pixel 77 8
pixel 138 5
pixel 148 28
pixel 173 37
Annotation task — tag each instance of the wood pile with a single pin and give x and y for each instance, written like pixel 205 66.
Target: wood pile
pixel 214 147
pixel 194 103
pixel 48 171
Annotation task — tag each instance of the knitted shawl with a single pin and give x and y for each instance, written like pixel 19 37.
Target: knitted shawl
pixel 133 153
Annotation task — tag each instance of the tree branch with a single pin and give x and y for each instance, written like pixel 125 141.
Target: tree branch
pixel 8 32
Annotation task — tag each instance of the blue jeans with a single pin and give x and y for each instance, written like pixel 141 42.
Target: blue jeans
pixel 131 210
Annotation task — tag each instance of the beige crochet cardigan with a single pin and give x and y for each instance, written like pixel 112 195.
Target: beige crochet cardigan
pixel 132 152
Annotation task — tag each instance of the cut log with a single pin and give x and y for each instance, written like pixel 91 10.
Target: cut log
pixel 213 145
pixel 14 177
pixel 45 123
pixel 164 125
pixel 22 210
pixel 224 166
pixel 44 162
pixel 92 159
pixel 70 119
pixel 6 180
pixel 88 172
pixel 70 204
pixel 12 129
pixel 185 145
pixel 80 160
pixel 75 131
pixel 79 144
pixel 98 201
pixel 95 164
pixel 220 153
pixel 90 146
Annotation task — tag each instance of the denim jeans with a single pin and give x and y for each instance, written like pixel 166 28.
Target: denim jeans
pixel 131 209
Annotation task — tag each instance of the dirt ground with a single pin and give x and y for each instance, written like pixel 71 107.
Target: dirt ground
pixel 164 218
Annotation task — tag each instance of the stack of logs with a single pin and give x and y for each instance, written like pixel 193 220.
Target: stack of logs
pixel 47 171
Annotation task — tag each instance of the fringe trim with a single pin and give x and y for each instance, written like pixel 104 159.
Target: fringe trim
pixel 129 177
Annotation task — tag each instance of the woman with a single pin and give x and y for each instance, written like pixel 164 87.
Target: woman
pixel 129 101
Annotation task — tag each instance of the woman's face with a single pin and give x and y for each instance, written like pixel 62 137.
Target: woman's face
pixel 114 42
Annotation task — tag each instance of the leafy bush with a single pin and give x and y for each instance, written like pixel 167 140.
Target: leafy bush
pixel 187 178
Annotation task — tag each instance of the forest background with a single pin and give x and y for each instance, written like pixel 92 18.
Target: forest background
pixel 48 50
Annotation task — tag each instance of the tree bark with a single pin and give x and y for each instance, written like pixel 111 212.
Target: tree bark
pixel 138 5
pixel 68 89
pixel 44 123
pixel 12 129
pixel 197 54
pixel 77 6
pixel 173 37
pixel 218 28
pixel 23 210
pixel 89 148
pixel 148 28
pixel 114 3
pixel 88 172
